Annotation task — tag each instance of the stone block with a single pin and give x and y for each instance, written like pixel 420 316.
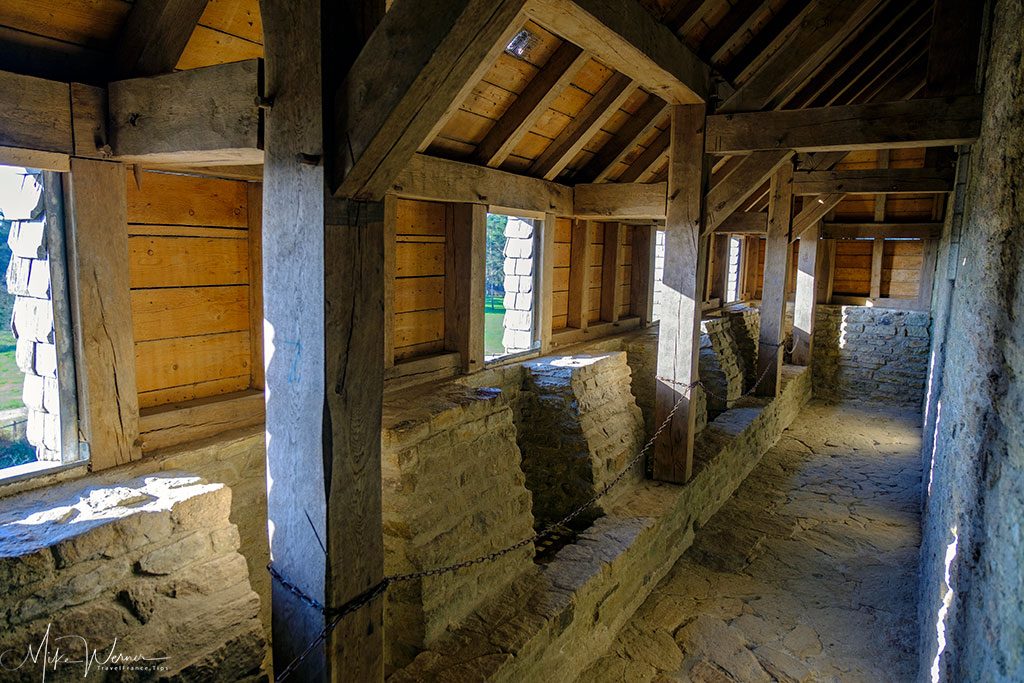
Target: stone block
pixel 44 360
pixel 27 239
pixel 33 319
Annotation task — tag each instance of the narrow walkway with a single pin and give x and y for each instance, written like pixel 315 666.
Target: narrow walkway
pixel 807 574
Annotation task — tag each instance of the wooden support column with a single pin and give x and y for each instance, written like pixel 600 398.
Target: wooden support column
pixel 545 261
pixel 720 269
pixel 641 286
pixel 773 291
pixel 679 338
pixel 579 274
pixel 390 224
pixel 323 274
pixel 464 284
pixel 877 250
pixel 101 303
pixel 611 295
pixel 254 207
pixel 805 305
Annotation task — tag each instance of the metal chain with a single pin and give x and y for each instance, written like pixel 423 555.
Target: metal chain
pixel 335 615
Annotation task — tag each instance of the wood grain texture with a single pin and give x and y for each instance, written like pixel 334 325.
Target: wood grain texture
pixel 166 199
pixel 35 114
pixel 641 280
pixel 108 400
pixel 887 181
pixel 580 256
pixel 773 291
pixel 806 299
pixel 465 284
pixel 155 34
pixel 254 213
pixel 173 424
pixel 734 189
pixel 684 275
pixel 182 361
pixel 204 115
pixel 612 258
pixel 622 201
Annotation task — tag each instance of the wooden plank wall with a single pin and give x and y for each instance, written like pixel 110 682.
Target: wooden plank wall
pixel 420 229
pixel 560 290
pixel 852 268
pixel 596 271
pixel 190 275
pixel 902 261
pixel 625 276
pixel 759 272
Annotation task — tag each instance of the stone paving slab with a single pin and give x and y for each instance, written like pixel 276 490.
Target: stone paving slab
pixel 808 573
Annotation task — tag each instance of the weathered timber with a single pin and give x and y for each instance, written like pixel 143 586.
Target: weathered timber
pixel 806 299
pixel 611 294
pixel 155 35
pixel 744 222
pixel 466 245
pixel 101 304
pixel 773 290
pixel 641 286
pixel 638 126
pixel 202 116
pixel 729 194
pixel 873 181
pixel 679 339
pixel 647 161
pixel 914 123
pixel 579 274
pixel 35 114
pixel 624 201
pixel 177 423
pixel 814 210
pixel 624 36
pixel 832 230
pixel 436 179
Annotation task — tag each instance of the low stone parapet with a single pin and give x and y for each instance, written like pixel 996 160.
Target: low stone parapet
pixel 129 580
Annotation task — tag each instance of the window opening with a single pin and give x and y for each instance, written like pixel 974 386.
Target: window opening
pixel 732 284
pixel 510 287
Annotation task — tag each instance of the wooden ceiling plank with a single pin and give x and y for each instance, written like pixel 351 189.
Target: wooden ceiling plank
pixel 154 36
pixel 531 104
pixel 639 125
pixel 953 48
pixel 601 107
pixel 917 123
pixel 625 37
pixel 766 41
pixel 826 26
pixel 648 162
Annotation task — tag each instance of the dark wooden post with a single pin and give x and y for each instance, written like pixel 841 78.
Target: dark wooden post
pixel 323 270
pixel 773 291
pixel 679 337
pixel 579 275
pixel 611 295
pixel 641 286
pixel 806 301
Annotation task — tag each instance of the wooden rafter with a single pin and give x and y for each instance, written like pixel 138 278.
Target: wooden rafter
pixel 648 161
pixel 601 107
pixel 624 36
pixel 728 195
pixel 154 36
pixel 813 211
pixel 531 104
pixel 638 126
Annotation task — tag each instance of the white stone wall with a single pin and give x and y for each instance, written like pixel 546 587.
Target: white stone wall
pixel 152 562
pixel 28 279
pixel 519 280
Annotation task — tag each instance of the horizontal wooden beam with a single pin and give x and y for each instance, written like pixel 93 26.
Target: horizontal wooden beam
pixel 926 231
pixel 873 181
pixel 744 222
pixel 625 37
pixel 913 123
pixel 437 179
pixel 620 201
pixel 35 114
pixel 202 116
pixel 728 194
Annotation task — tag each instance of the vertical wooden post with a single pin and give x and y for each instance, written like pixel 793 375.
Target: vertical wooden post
pixel 679 337
pixel 806 301
pixel 108 400
pixel 323 273
pixel 579 274
pixel 720 269
pixel 641 286
pixel 773 291
pixel 390 225
pixel 826 269
pixel 545 262
pixel 464 284
pixel 612 257
pixel 877 250
pixel 254 207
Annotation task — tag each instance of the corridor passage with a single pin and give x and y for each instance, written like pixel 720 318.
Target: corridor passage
pixel 807 574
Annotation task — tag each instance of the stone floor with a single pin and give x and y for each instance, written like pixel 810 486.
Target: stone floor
pixel 807 574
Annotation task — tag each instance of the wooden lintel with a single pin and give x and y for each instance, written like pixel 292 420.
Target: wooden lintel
pixel 620 201
pixel 873 181
pixel 35 114
pixel 625 37
pixel 913 123
pixel 199 116
pixel 839 231
pixel 434 179
pixel 744 222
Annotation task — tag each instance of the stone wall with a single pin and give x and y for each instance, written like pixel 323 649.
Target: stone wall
pixel 579 427
pixel 518 335
pixel 152 562
pixel 453 489
pixel 877 355
pixel 553 621
pixel 971 611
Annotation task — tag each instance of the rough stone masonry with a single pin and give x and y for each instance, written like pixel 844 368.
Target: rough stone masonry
pixel 152 562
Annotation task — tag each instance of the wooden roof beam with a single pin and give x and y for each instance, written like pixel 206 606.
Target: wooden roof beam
pixel 814 210
pixel 601 107
pixel 154 35
pixel 915 123
pixel 639 126
pixel 414 72
pixel 727 196
pixel 874 181
pixel 647 163
pixel 520 117
pixel 619 201
pixel 744 223
pixel 624 36
pixel 825 26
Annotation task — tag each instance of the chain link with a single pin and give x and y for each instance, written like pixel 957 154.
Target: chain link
pixel 335 615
